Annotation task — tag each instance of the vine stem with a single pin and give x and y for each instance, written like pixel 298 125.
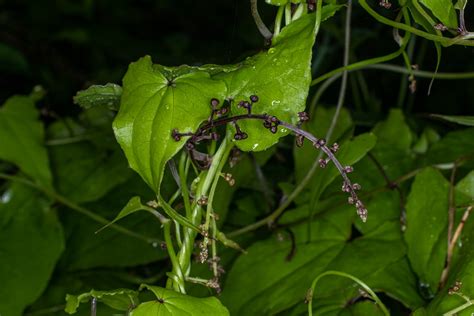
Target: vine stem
pixel 263 29
pixel 458 309
pixel 452 245
pixel 179 280
pixel 206 178
pixel 422 73
pixel 361 64
pixel 88 213
pixel 459 40
pixel 367 289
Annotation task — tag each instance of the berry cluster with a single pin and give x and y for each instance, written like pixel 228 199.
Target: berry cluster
pixel 219 117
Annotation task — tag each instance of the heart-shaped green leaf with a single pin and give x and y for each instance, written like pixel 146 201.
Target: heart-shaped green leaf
pixel 169 302
pixel 155 102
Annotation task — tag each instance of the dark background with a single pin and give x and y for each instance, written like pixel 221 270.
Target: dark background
pixel 67 45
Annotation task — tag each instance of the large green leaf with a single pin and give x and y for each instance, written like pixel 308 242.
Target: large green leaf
pixel 280 77
pixel 87 249
pixel 169 302
pixel 392 153
pixel 31 240
pixel 21 138
pixel 278 282
pixel 443 10
pixel 154 102
pixel 85 173
pixel 394 131
pixel 427 218
pixel 462 271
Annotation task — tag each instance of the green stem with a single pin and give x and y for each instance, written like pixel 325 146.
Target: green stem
pixel 214 247
pixel 288 14
pixel 212 191
pixel 460 40
pixel 184 255
pixel 178 285
pixel 298 12
pixel 278 18
pixel 358 65
pixel 353 278
pixel 183 173
pixel 70 204
pixel 458 309
pixel 423 73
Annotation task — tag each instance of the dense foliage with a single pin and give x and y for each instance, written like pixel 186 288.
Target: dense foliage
pixel 215 189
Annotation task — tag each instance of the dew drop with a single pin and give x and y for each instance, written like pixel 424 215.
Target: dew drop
pixel 6 197
pixel 275 102
pixel 272 51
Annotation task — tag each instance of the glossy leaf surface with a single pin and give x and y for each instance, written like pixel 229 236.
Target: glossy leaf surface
pixel 154 103
pixel 280 77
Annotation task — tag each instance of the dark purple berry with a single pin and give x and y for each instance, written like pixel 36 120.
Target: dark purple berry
pixel 176 135
pixel 254 98
pixel 214 103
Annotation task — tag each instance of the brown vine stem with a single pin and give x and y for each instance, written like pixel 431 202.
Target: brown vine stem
pixel 451 205
pixel 452 244
pixel 66 202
